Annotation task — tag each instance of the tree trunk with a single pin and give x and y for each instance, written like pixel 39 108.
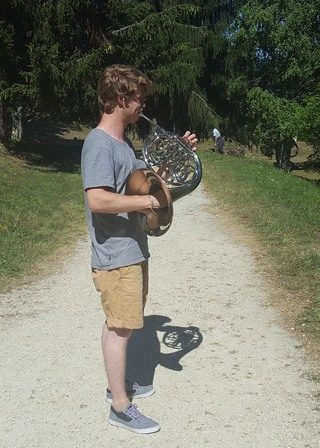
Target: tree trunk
pixel 16 133
pixel 1 122
pixel 282 153
pixel 171 106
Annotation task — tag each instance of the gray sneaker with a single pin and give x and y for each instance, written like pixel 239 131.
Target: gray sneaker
pixel 133 420
pixel 134 390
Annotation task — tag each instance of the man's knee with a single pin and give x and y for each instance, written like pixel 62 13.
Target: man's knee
pixel 121 332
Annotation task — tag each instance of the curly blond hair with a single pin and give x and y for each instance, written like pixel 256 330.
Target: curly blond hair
pixel 122 80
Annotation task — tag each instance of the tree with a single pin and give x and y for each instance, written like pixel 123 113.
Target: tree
pixel 13 27
pixel 273 45
pixel 51 52
pixel 274 121
pixel 173 42
pixel 54 50
pixel 310 118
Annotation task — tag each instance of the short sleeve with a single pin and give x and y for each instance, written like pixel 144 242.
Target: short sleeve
pixel 97 168
pixel 140 164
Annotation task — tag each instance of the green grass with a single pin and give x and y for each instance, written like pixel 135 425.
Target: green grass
pixel 282 213
pixel 41 214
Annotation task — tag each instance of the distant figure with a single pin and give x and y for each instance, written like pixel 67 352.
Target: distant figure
pixel 218 140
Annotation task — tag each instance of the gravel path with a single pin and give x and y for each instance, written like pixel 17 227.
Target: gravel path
pixel 226 373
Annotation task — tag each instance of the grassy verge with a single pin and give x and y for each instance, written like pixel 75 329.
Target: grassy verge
pixel 41 213
pixel 282 213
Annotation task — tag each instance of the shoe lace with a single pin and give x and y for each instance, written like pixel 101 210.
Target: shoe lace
pixel 133 412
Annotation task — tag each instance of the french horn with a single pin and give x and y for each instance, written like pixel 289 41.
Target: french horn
pixel 173 168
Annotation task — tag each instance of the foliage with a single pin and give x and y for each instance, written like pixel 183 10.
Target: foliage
pixel 46 40
pixel 272 118
pixel 216 63
pixel 202 117
pixel 274 59
pixel 54 51
pixel 171 45
pixel 311 122
pixel 275 45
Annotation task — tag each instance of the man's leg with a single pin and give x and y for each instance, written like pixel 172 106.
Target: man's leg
pixel 114 348
pixel 220 145
pixel 123 299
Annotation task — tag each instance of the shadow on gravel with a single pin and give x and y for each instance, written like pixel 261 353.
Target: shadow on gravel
pixel 144 350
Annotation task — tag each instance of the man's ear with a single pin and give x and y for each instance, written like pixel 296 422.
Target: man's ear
pixel 122 102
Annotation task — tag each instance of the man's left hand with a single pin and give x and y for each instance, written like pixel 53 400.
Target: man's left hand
pixel 191 139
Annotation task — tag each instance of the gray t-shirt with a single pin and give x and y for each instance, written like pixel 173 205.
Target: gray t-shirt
pixel 115 240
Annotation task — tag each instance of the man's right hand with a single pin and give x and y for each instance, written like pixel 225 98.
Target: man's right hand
pixel 159 199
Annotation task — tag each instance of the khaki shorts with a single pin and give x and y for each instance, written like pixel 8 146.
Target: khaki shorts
pixel 123 294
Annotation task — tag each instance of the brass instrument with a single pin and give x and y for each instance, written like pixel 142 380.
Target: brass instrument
pixel 173 168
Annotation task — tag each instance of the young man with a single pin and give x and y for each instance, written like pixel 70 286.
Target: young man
pixel 119 248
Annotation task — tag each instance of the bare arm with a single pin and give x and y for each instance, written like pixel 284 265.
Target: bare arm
pixel 103 201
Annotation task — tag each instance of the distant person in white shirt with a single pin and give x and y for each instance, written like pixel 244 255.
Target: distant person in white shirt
pixel 218 140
